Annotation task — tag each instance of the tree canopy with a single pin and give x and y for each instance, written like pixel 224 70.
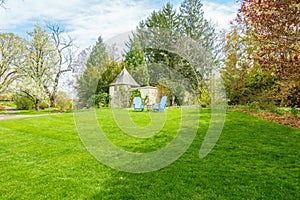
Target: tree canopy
pixel 35 66
pixel 39 68
pixel 264 46
pixel 135 62
pixel 172 39
pixel 100 71
pixel 12 52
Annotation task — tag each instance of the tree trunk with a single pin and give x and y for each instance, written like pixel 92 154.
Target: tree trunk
pixel 53 100
pixel 37 105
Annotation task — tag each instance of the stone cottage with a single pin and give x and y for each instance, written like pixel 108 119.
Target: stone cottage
pixel 120 90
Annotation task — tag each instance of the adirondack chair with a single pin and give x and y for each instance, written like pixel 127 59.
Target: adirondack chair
pixel 137 104
pixel 161 107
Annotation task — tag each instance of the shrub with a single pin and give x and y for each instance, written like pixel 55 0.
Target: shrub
pixel 63 102
pixel 98 100
pixel 65 106
pixel 267 105
pixel 2 108
pixel 134 93
pixel 23 102
pixel 5 97
pixel 279 111
pixel 44 105
pixel 254 106
pixel 294 112
pixel 102 99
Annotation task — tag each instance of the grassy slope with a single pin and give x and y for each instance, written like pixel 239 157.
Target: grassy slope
pixel 43 158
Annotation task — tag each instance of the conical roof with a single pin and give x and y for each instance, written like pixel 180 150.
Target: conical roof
pixel 124 78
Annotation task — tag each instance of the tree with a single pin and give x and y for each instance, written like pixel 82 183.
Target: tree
pixel 88 83
pixel 111 71
pixel 236 66
pixel 2 3
pixel 244 80
pixel 12 51
pixel 92 83
pixel 64 48
pixel 194 25
pixel 135 62
pixel 81 61
pixel 274 26
pixel 39 68
pixel 169 38
pixel 158 33
pixel 98 57
pixel 64 102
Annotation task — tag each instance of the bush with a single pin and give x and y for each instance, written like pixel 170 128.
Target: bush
pixel 267 105
pixel 102 99
pixel 134 93
pixel 5 97
pixel 23 102
pixel 2 108
pixel 279 111
pixel 65 106
pixel 99 100
pixel 44 105
pixel 63 102
pixel 294 112
pixel 254 106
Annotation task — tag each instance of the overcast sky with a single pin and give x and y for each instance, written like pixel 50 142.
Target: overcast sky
pixel 86 20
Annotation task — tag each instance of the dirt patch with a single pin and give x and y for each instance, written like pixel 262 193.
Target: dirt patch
pixel 286 119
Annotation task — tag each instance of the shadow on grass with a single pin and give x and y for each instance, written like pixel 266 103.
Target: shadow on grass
pixel 253 159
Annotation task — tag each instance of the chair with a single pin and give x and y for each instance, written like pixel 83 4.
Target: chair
pixel 137 104
pixel 161 107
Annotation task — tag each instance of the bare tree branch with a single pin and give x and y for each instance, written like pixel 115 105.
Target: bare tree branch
pixel 65 49
pixel 2 3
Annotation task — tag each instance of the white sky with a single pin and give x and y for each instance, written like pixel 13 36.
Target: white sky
pixel 86 20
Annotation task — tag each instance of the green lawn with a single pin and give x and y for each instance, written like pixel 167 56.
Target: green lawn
pixel 44 158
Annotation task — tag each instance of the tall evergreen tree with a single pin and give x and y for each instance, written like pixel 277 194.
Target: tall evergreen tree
pixel 194 25
pixel 135 62
pixel 184 42
pixel 98 57
pixel 99 73
pixel 158 35
pixel 88 82
pixel 87 85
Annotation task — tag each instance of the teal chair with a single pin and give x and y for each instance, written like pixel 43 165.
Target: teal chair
pixel 161 107
pixel 137 104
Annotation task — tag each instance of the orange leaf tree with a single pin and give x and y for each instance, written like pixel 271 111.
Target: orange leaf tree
pixel 275 26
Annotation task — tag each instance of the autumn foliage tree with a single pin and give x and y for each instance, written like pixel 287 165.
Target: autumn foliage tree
pixel 274 28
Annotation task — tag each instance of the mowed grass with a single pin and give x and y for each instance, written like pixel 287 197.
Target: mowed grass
pixel 44 158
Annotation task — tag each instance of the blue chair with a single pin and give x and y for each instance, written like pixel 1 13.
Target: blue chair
pixel 137 104
pixel 161 107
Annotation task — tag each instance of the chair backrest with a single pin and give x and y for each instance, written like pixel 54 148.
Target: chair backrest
pixel 137 102
pixel 163 102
